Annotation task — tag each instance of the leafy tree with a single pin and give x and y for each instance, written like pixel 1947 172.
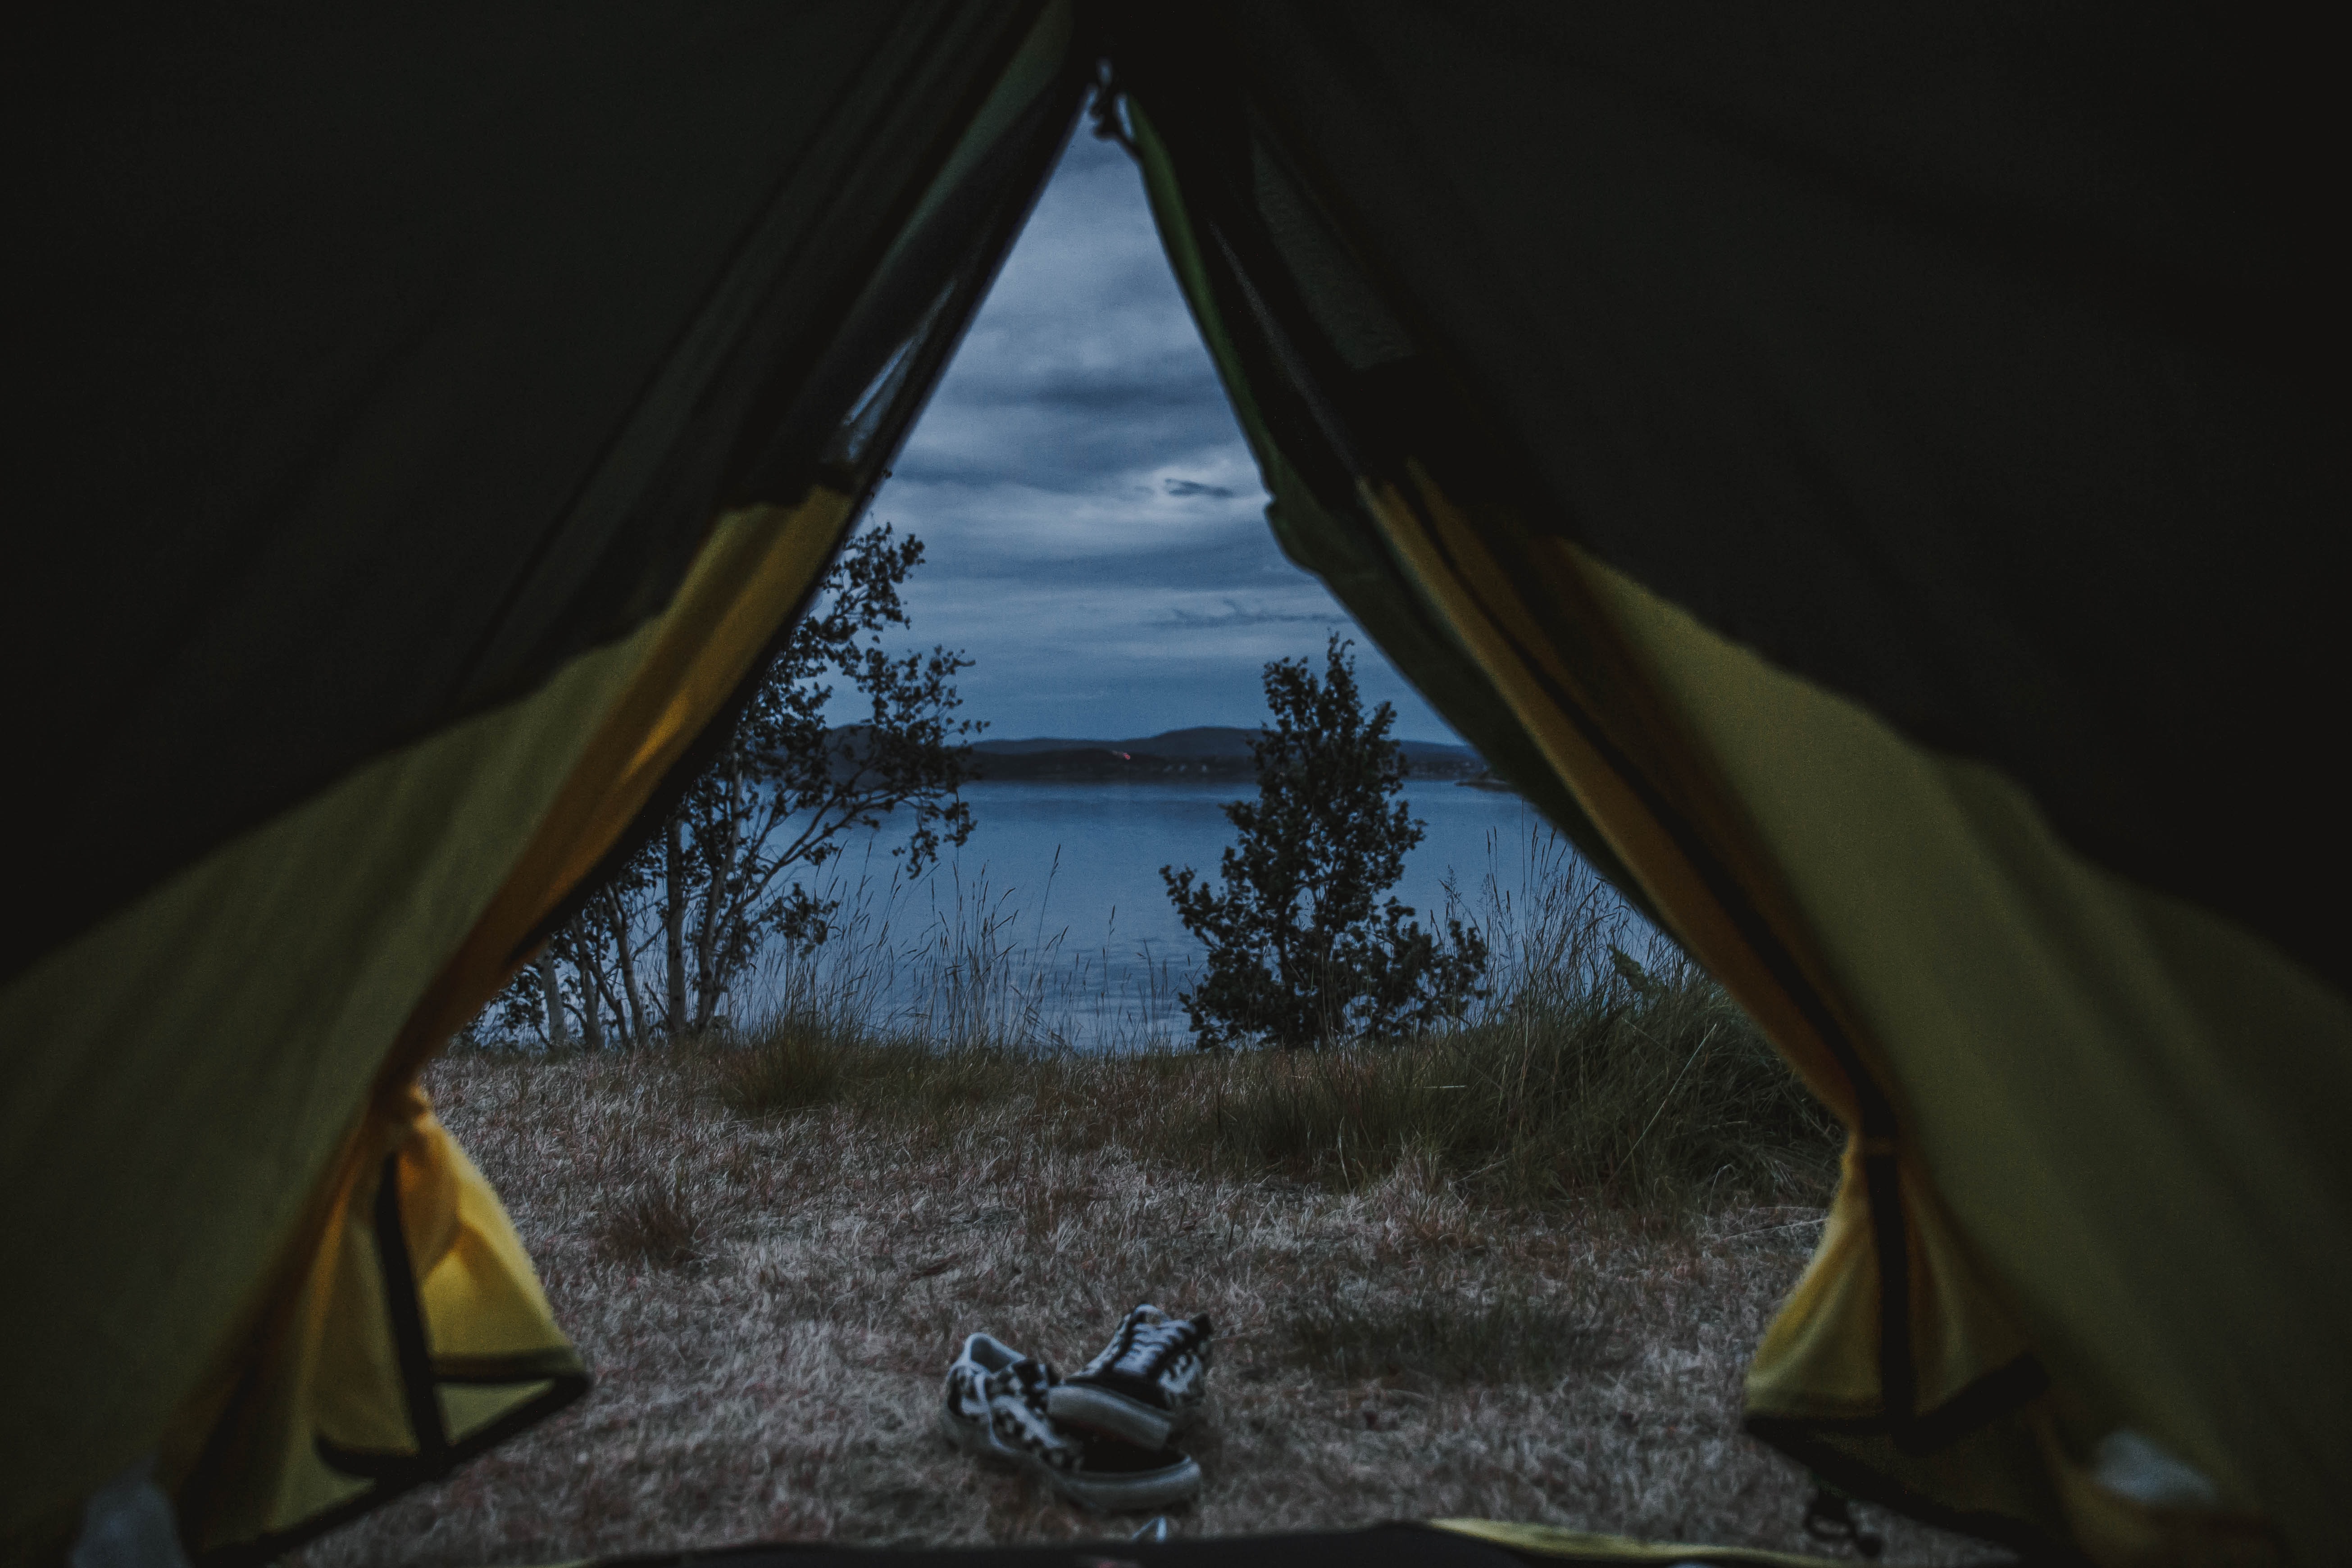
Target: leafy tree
pixel 1302 949
pixel 732 869
pixel 787 791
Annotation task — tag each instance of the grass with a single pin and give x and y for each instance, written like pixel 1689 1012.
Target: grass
pixel 1659 1095
pixel 1600 1063
pixel 1399 1344
pixel 1647 1086
pixel 657 1219
pixel 1445 1338
pixel 1515 1269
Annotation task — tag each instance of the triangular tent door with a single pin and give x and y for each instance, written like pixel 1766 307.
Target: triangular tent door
pixel 1873 478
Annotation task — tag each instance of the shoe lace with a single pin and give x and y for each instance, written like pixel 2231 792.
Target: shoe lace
pixel 1148 1341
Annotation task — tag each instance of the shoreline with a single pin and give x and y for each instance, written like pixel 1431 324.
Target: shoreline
pixel 1124 768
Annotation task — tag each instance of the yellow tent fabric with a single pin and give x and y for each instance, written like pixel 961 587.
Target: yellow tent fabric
pixel 1542 1542
pixel 420 1338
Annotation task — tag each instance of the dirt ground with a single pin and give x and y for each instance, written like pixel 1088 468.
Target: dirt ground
pixel 768 1305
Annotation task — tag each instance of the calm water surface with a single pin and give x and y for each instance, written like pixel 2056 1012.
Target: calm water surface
pixel 1053 922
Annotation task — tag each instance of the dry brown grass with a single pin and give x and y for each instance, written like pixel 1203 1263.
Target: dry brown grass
pixel 1639 1085
pixel 768 1259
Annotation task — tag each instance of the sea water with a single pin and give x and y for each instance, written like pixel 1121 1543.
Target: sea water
pixel 1051 926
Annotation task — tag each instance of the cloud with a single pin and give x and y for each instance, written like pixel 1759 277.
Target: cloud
pixel 1238 614
pixel 1094 522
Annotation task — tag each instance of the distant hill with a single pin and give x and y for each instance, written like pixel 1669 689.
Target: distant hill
pixel 1210 750
pixel 1202 740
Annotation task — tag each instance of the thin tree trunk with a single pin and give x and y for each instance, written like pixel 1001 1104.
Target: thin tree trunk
pixel 618 920
pixel 594 973
pixel 559 1027
pixel 592 1001
pixel 719 912
pixel 673 927
pixel 708 984
pixel 580 947
pixel 704 982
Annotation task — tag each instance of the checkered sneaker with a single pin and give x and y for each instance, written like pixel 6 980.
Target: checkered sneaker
pixel 995 1407
pixel 1146 1386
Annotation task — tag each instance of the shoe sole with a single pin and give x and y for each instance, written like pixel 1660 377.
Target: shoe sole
pixel 1114 1415
pixel 1103 1494
pixel 1146 1493
pixel 973 1440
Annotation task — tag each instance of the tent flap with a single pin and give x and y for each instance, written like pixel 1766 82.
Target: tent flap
pixel 1693 435
pixel 420 1338
pixel 495 426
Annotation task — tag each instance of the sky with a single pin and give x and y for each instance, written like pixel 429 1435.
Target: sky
pixel 1094 527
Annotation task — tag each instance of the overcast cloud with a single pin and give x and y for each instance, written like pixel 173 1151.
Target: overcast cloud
pixel 1094 523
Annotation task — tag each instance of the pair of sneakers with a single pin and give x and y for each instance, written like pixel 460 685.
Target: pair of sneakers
pixel 1100 1438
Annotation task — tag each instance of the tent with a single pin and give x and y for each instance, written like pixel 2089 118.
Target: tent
pixel 1875 478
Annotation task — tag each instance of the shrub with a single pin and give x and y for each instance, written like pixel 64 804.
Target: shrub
pixel 792 1065
pixel 1302 949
